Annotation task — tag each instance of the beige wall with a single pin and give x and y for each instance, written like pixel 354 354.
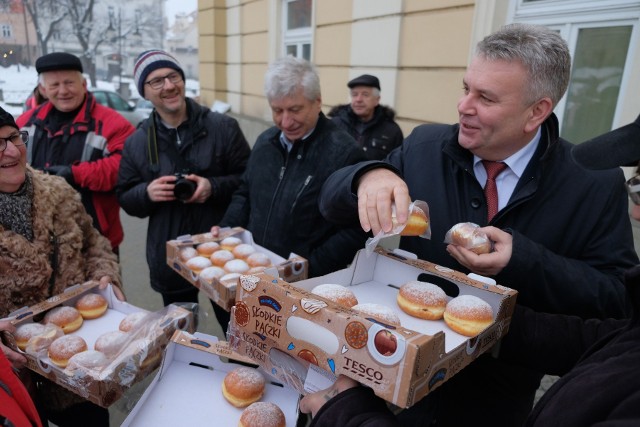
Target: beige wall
pixel 418 49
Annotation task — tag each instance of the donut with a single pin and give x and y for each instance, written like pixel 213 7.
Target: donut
pixel 110 343
pixel 25 332
pixel 198 263
pixel 44 339
pixel 336 293
pixel 89 359
pixel 468 315
pixel 132 321
pixel 416 224
pixel 381 312
pixel 256 270
pixel 236 266
pixel 213 272
pixel 422 300
pixel 187 253
pixel 221 257
pixel 207 248
pixel 243 250
pixel 230 277
pixel 467 235
pixel 230 242
pixel 61 350
pixel 258 259
pixel 242 386
pixel 262 414
pixel 92 306
pixel 68 318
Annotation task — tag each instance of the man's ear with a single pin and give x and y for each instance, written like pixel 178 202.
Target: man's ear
pixel 539 112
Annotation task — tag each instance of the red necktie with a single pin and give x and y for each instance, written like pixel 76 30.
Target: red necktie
pixel 490 190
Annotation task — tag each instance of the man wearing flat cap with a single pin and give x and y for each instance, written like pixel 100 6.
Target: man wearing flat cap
pixel 75 137
pixel 372 125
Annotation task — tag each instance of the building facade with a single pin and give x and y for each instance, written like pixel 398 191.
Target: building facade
pixel 419 50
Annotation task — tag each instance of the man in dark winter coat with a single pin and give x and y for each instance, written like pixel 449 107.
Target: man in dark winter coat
pixel 207 150
pixel 368 122
pixel 597 359
pixel 562 233
pixel 278 198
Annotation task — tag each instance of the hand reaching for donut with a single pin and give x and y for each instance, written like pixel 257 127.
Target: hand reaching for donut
pixel 105 281
pixel 311 403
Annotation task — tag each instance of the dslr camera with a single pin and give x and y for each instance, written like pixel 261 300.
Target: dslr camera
pixel 184 188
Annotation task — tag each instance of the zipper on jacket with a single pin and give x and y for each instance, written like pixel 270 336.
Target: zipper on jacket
pixel 273 199
pixel 304 186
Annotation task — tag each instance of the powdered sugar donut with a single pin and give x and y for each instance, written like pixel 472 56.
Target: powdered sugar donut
pixel 230 277
pixel 381 312
pixel 243 250
pixel 236 266
pixel 262 414
pixel 92 306
pixel 207 248
pixel 423 300
pixel 132 321
pixel 468 315
pixel 230 242
pixel 110 343
pixel 187 253
pixel 213 272
pixel 242 386
pixel 336 293
pixel 68 318
pixel 198 263
pixel 25 332
pixel 89 359
pixel 61 350
pixel 258 259
pixel 221 257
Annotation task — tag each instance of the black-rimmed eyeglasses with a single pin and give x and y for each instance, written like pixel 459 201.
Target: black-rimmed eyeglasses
pixel 158 82
pixel 17 139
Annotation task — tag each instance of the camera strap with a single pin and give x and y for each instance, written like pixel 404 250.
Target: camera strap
pixel 182 165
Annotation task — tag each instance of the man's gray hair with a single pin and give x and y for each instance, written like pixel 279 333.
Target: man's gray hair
pixel 286 75
pixel 542 52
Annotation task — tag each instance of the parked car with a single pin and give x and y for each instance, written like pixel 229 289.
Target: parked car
pixel 144 106
pixel 113 100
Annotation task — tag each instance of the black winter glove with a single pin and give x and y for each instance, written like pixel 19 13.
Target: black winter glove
pixel 61 171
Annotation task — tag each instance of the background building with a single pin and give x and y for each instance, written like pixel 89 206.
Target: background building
pixel 419 50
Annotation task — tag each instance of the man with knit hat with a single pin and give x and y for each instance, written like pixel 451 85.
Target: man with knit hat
pixel 75 137
pixel 180 146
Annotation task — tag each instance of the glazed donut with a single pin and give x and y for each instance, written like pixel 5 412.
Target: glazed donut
pixel 43 340
pixel 242 386
pixel 198 263
pixel 417 223
pixel 381 312
pixel 132 321
pixel 468 315
pixel 207 248
pixel 68 318
pixel 213 272
pixel 187 253
pixel 336 293
pixel 61 350
pixel 467 235
pixel 221 257
pixel 89 359
pixel 25 332
pixel 262 414
pixel 422 300
pixel 236 266
pixel 258 259
pixel 110 343
pixel 243 250
pixel 230 242
pixel 92 306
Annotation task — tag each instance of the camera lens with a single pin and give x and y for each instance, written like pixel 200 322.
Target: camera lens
pixel 184 188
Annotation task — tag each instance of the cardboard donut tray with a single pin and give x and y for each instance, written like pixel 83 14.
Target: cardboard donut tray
pixel 273 319
pixel 224 293
pixel 140 354
pixel 187 390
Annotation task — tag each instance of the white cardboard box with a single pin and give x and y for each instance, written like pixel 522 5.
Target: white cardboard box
pixel 187 391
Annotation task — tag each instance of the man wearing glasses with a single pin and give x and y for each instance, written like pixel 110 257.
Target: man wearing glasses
pixel 75 137
pixel 179 168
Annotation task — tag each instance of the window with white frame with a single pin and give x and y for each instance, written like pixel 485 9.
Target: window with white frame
pixel 6 31
pixel 599 34
pixel 297 32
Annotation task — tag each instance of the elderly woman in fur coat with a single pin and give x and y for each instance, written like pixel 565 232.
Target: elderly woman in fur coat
pixel 47 243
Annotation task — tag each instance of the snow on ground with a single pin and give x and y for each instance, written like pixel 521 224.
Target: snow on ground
pixel 17 83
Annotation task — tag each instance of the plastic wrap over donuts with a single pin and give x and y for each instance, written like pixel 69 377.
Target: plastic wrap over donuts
pixel 418 224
